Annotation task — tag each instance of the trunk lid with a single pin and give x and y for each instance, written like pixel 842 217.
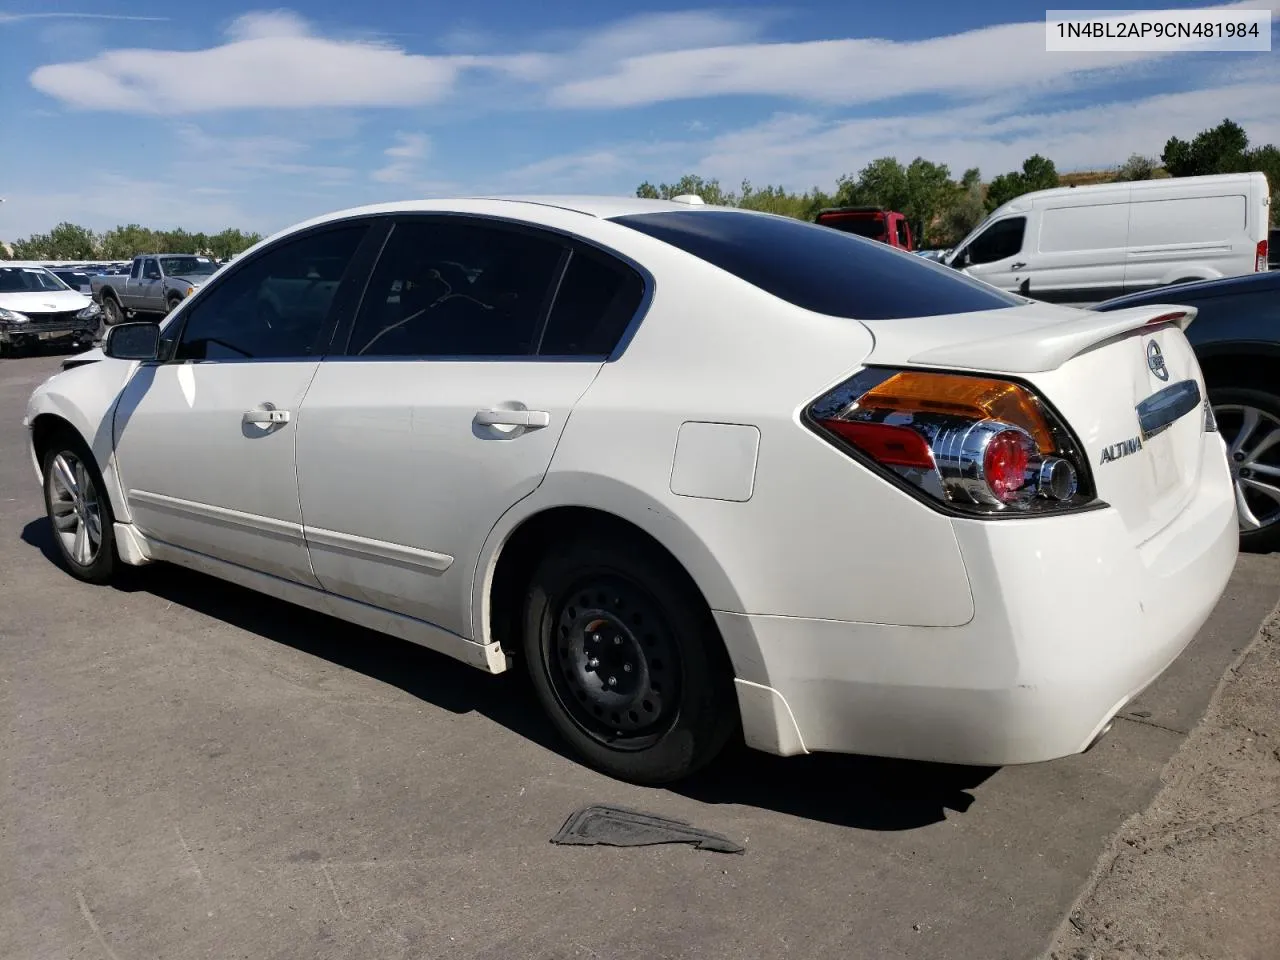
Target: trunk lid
pixel 1127 383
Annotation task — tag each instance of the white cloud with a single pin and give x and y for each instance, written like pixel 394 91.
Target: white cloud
pixel 20 17
pixel 211 156
pixel 269 60
pixel 801 150
pixel 846 71
pixel 405 156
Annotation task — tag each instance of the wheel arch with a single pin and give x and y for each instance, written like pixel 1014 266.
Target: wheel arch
pixel 524 532
pixel 51 411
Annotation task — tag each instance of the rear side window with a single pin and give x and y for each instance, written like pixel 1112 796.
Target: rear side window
pixel 596 300
pixel 871 227
pixel 819 269
pixel 456 289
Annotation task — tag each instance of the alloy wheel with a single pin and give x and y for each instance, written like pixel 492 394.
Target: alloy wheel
pixel 75 508
pixel 1253 452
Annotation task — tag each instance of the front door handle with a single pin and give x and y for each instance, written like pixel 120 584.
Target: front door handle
pixel 531 419
pixel 1018 266
pixel 266 417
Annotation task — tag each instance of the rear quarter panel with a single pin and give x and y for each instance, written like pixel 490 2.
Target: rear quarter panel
pixel 821 536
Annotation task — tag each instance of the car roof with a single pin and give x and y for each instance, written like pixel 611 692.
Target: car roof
pixel 1176 293
pixel 24 263
pixel 603 207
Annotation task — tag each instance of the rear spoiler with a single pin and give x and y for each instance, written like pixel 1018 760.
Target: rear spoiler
pixel 1049 347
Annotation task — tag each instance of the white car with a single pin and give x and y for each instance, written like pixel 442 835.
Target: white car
pixel 698 470
pixel 38 308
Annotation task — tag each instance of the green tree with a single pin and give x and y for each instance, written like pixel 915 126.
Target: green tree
pixel 966 210
pixel 881 183
pixel 930 191
pixel 66 241
pixel 709 190
pixel 1037 173
pixel 1220 149
pixel 1137 167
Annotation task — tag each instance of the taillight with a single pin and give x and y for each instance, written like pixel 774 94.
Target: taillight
pixel 1261 263
pixel 980 444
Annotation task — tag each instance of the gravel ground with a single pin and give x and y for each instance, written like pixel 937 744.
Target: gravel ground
pixel 1194 876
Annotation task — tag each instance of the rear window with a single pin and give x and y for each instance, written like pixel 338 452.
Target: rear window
pixel 819 269
pixel 870 227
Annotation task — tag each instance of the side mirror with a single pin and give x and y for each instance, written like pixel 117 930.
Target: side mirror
pixel 132 341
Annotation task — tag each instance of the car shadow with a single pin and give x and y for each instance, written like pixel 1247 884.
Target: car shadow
pixel 866 793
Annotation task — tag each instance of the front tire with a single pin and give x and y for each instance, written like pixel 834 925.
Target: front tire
pixel 1249 421
pixel 111 311
pixel 174 303
pixel 78 510
pixel 626 660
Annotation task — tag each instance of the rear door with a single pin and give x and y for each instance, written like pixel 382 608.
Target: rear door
pixel 473 343
pixel 1175 237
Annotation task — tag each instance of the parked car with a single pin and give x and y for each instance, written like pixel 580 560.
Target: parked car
pixel 1236 337
pixel 37 308
pixel 874 223
pixel 75 279
pixel 937 255
pixel 156 284
pixel 1086 244
pixel 905 514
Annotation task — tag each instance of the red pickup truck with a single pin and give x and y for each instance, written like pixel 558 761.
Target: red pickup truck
pixel 887 226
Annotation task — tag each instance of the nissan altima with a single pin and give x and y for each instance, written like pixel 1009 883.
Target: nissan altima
pixel 703 473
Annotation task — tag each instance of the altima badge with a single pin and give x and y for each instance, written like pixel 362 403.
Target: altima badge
pixel 1121 449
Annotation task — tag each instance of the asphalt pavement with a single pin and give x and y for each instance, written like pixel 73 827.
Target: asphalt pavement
pixel 188 769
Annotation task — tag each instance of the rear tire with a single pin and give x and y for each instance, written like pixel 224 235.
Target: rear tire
pixel 1255 468
pixel 626 660
pixel 79 511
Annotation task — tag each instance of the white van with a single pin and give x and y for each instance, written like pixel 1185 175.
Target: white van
pixel 1081 245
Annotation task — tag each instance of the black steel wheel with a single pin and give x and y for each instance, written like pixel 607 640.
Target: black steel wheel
pixel 626 660
pixel 613 663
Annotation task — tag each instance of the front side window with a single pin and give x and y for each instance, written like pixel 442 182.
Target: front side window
pixel 1001 240
pixel 150 270
pixel 813 267
pixel 275 305
pixel 456 289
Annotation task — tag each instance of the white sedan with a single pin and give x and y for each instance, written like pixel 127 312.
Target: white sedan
pixel 37 308
pixel 704 473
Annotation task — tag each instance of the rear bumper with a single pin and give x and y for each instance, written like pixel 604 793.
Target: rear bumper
pixel 1071 622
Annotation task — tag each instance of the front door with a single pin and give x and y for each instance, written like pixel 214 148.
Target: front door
pixel 205 440
pixel 996 255
pixel 448 406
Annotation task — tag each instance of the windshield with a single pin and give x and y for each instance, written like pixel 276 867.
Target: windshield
pixel 29 280
pixel 820 269
pixel 187 266
pixel 72 277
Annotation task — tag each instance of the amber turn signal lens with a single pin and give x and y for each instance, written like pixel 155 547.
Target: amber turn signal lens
pixel 979 398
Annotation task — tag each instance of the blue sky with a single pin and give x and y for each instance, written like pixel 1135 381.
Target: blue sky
pixel 251 115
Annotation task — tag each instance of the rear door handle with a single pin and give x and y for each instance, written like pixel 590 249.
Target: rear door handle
pixel 532 419
pixel 1018 266
pixel 266 417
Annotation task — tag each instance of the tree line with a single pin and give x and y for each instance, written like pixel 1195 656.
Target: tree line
pixel 942 210
pixel 70 241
